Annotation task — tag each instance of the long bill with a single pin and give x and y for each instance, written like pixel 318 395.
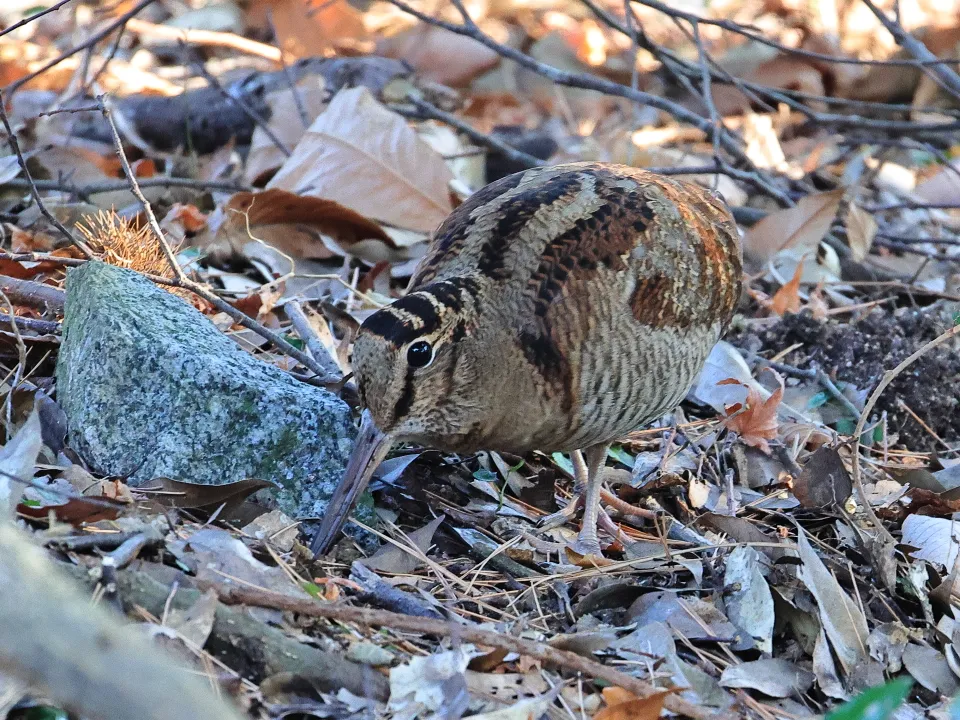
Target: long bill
pixel 371 448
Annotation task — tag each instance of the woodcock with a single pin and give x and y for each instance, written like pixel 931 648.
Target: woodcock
pixel 557 309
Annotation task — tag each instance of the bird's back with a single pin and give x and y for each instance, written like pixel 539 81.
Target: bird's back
pixel 611 283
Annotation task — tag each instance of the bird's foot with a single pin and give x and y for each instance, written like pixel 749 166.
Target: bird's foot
pixel 588 540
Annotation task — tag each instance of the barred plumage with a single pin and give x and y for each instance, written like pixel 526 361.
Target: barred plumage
pixel 562 307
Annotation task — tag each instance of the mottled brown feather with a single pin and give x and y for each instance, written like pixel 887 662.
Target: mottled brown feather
pixel 566 305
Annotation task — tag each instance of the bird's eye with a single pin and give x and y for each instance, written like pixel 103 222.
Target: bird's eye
pixel 420 354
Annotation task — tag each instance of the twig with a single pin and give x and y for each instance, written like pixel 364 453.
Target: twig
pixel 427 626
pixel 302 325
pixel 494 143
pixel 837 394
pixel 887 378
pixel 15 146
pixel 28 292
pixel 44 327
pixel 35 16
pixel 42 257
pixel 943 74
pixel 89 42
pixel 181 280
pixel 799 52
pixel 115 185
pixel 590 82
pixel 138 193
pixel 205 37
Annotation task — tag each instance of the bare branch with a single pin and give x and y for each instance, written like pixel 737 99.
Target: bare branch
pixel 15 146
pixel 88 43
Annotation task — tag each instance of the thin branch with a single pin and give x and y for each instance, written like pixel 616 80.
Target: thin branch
pixel 35 16
pixel 428 626
pixel 110 186
pixel 798 52
pixel 15 146
pixel 206 37
pixel 88 43
pixel 943 74
pixel 435 113
pixel 138 193
pixel 35 294
pixel 301 323
pixel 44 327
pixel 607 87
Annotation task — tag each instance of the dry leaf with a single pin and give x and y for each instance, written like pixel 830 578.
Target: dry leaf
pixel 801 227
pixel 307 28
pixel 861 229
pixel 623 705
pixel 756 421
pixel 286 123
pixel 368 159
pixel 840 616
pixel 178 494
pixel 943 187
pixel 302 227
pixel 787 298
pixel 439 55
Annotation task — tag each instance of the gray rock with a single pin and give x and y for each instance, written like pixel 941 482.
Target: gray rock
pixel 150 387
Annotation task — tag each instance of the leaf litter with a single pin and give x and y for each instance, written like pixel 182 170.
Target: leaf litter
pixel 752 591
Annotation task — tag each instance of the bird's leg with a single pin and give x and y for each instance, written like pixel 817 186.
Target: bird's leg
pixel 580 476
pixel 588 543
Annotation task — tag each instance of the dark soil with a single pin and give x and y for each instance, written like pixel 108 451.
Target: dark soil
pixel 860 352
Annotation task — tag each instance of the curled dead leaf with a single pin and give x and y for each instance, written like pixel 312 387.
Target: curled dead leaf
pixel 624 705
pixel 303 227
pixel 755 421
pixel 802 227
pixel 787 298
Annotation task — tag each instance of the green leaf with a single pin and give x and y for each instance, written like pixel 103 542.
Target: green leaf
pixel 313 589
pixel 622 456
pixel 821 398
pixel 877 703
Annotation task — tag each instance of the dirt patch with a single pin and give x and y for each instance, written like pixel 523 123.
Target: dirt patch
pixel 860 352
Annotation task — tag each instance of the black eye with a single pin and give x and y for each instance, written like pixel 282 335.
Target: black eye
pixel 419 354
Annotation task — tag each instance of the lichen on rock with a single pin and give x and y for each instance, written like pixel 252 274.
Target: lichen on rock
pixel 152 389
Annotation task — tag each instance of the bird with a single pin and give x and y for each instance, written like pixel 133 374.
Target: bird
pixel 556 309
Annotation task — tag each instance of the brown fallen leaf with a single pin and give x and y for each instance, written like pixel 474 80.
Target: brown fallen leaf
pixel 178 494
pixel 756 420
pixel 292 111
pixel 367 158
pixel 787 298
pixel 308 28
pixel 802 227
pixel 303 227
pixel 624 705
pixel 439 55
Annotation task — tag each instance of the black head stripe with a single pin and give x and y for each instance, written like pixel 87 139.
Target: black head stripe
pixel 420 313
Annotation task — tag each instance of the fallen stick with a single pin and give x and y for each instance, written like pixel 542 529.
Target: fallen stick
pixel 87 659
pixel 262 650
pixel 395 621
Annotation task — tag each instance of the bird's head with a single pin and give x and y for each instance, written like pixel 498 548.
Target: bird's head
pixel 406 359
pixel 406 355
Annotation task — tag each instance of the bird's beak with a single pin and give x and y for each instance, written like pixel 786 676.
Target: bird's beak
pixel 371 448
